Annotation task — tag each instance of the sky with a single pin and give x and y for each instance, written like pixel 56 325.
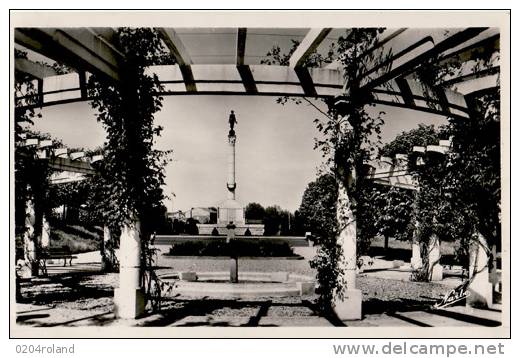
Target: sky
pixel 275 159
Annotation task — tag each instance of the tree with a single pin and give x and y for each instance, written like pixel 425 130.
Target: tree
pixel 318 208
pixel 403 144
pixel 272 220
pixel 467 181
pixel 255 211
pixel 395 205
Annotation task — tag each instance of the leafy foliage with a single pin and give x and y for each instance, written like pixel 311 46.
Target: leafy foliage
pixel 345 142
pixel 132 171
pixel 318 209
pixel 460 193
pixel 254 211
pixel 403 144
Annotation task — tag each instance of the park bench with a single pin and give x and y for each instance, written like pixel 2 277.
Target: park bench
pixel 60 253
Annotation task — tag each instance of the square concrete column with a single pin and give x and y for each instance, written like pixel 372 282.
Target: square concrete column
pixel 46 233
pixel 434 257
pixel 129 297
pixel 480 289
pixel 233 270
pixel 350 307
pixel 108 257
pixel 31 265
pixel 416 261
pixel 107 236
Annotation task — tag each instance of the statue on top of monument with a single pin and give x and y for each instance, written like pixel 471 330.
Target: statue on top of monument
pixel 232 122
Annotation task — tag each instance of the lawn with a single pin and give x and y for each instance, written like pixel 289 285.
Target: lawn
pixel 77 237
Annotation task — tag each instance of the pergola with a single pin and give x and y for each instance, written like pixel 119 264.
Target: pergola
pixel 221 62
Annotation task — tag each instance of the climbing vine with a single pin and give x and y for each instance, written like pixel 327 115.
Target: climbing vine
pixel 459 196
pixel 349 135
pixel 32 175
pixel 132 171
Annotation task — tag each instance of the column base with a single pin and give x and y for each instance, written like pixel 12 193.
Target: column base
pixel 350 307
pixel 24 269
pixel 129 303
pixel 437 274
pixel 480 294
pixel 416 263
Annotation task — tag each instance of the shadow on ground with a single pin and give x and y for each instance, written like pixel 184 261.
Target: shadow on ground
pixel 67 287
pixel 403 254
pixel 248 313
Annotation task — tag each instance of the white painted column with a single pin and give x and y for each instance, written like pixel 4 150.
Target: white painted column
pixel 434 257
pixel 46 233
pixel 31 265
pixel 480 289
pixel 129 297
pixel 104 252
pixel 350 307
pixel 416 261
pixel 106 237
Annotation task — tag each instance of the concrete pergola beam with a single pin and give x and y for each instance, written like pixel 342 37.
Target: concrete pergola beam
pixel 245 71
pixel 183 58
pixel 67 164
pixel 36 70
pixel 80 48
pixel 309 44
pixel 418 50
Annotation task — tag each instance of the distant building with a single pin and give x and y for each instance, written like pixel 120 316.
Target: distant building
pixel 179 215
pixel 202 215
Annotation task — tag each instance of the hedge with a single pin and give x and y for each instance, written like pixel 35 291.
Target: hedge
pixel 237 247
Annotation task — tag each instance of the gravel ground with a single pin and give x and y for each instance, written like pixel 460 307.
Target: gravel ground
pixel 169 264
pixel 93 293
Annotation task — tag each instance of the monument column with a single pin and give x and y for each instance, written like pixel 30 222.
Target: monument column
pixel 231 183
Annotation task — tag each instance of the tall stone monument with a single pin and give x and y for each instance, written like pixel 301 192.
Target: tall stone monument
pixel 230 210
